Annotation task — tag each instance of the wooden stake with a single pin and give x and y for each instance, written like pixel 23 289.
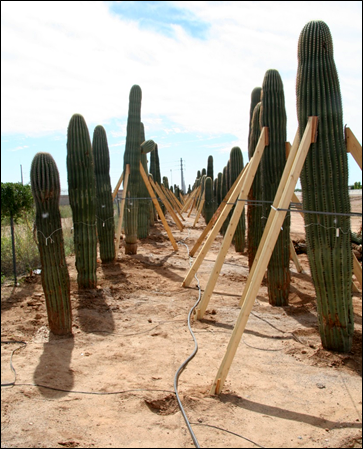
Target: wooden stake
pixel 357 268
pixel 172 200
pixel 267 244
pixel 201 204
pixel 195 199
pixel 122 207
pixel 294 258
pixel 353 146
pixel 215 216
pixel 159 191
pixel 262 142
pixel 157 206
pixel 117 186
pixel 231 229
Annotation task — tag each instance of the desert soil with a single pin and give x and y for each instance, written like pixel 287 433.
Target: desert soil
pixel 112 383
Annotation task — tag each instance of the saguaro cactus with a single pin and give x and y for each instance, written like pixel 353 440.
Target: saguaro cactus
pixel 273 162
pixel 210 167
pixel 104 203
pixel 82 199
pixel 324 182
pixel 254 209
pixel 132 157
pixel 44 177
pixel 235 168
pixel 209 199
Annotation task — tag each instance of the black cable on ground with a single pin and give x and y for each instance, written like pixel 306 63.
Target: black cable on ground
pixel 8 384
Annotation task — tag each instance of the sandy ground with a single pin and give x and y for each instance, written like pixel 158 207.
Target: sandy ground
pixel 112 384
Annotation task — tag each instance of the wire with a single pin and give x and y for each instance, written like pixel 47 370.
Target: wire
pixel 184 364
pixel 8 384
pixel 228 431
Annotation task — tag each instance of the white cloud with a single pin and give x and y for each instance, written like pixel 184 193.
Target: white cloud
pixel 60 58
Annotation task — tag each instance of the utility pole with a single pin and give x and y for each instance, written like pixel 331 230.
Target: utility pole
pixel 182 176
pixel 21 172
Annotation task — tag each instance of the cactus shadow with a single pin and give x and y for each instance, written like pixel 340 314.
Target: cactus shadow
pixel 18 294
pixel 94 315
pixel 53 375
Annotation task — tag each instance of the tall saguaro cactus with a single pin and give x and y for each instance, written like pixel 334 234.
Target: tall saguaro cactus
pixel 104 207
pixel 324 182
pixel 82 199
pixel 235 168
pixel 254 209
pixel 143 220
pixel 273 115
pixel 132 157
pixel 44 177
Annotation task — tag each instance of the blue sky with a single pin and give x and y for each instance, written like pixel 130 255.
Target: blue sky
pixel 196 63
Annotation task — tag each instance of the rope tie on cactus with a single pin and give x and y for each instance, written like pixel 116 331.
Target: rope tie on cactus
pixel 104 221
pixel 49 236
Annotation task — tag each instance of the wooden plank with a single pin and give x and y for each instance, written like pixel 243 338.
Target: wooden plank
pixel 122 207
pixel 117 186
pixel 189 200
pixel 157 206
pixel 201 204
pixel 353 146
pixel 262 142
pixel 215 216
pixel 172 200
pixel 357 269
pixel 168 206
pixel 265 248
pixel 194 200
pixel 228 236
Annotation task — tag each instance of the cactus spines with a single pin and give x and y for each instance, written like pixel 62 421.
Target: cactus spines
pixel 324 182
pixel 209 199
pixel 44 177
pixel 235 168
pixel 132 157
pixel 273 115
pixel 255 98
pixel 254 211
pixel 104 203
pixel 82 199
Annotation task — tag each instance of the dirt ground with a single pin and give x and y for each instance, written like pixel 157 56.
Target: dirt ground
pixel 112 384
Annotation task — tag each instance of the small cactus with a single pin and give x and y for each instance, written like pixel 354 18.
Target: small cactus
pixel 44 177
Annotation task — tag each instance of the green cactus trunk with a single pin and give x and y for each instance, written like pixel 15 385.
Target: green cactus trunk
pixel 235 168
pixel 255 99
pixel 273 115
pixel 82 199
pixel 209 196
pixel 210 167
pixel 44 177
pixel 254 209
pixel 143 221
pixel 132 157
pixel 104 203
pixel 324 181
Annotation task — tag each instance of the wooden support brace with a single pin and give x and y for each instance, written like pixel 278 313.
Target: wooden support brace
pixel 357 268
pixel 353 146
pixel 122 207
pixel 262 142
pixel 215 216
pixel 117 186
pixel 157 206
pixel 287 185
pixel 172 200
pixel 294 258
pixel 194 200
pixel 201 204
pixel 159 191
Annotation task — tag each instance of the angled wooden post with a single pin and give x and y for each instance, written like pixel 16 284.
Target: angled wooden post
pixel 267 244
pixel 215 216
pixel 117 186
pixel 353 146
pixel 294 257
pixel 170 209
pixel 201 204
pixel 172 199
pixel 195 199
pixel 188 201
pixel 228 236
pixel 157 206
pixel 122 207
pixel 262 142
